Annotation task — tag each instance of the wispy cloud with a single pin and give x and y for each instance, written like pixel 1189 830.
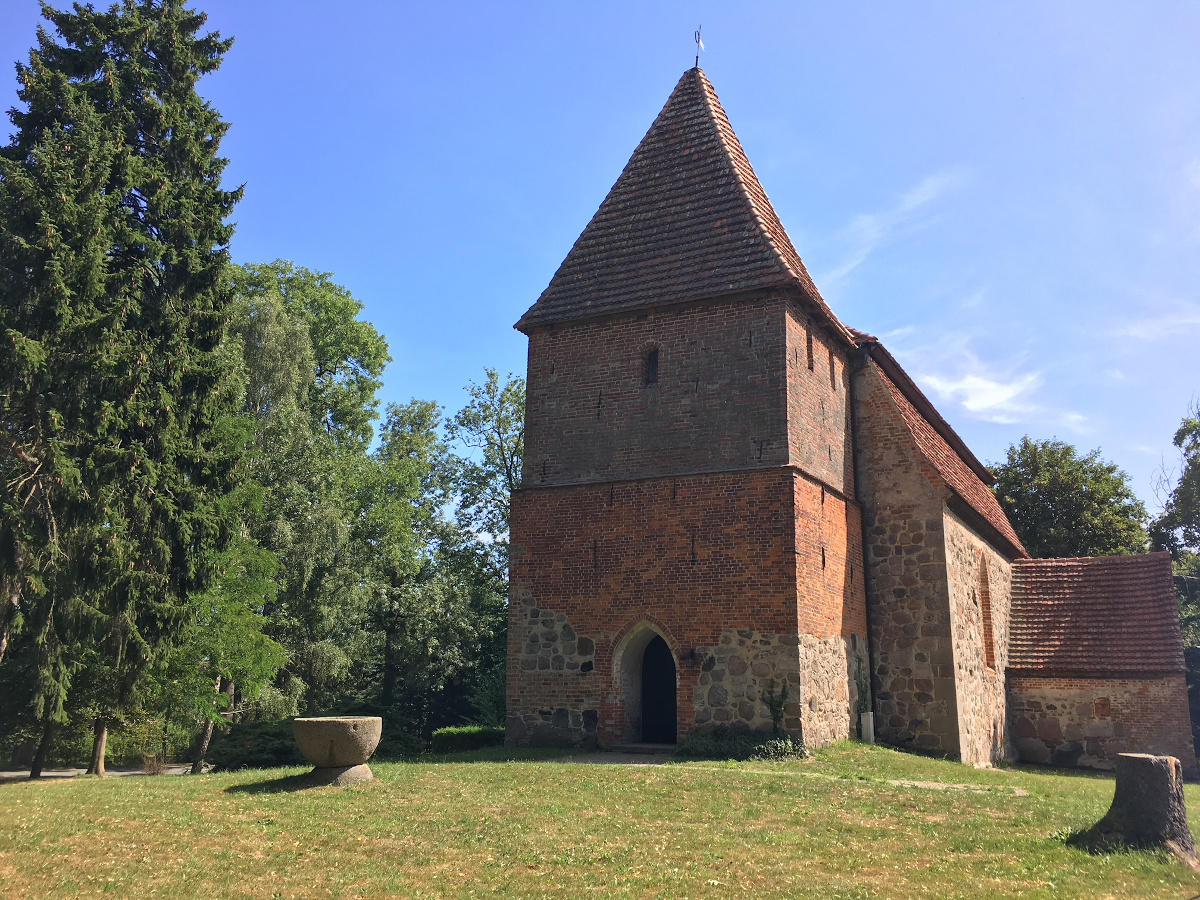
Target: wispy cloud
pixel 1192 171
pixel 868 231
pixel 1005 393
pixel 990 399
pixel 1162 323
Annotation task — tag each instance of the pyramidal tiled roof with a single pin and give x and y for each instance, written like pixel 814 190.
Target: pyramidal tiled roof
pixel 687 219
pixel 1102 615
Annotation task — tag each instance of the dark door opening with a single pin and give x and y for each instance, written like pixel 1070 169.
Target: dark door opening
pixel 658 694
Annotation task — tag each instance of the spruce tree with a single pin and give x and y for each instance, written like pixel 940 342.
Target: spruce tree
pixel 118 448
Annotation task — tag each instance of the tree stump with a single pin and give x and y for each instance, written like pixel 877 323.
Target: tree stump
pixel 1147 809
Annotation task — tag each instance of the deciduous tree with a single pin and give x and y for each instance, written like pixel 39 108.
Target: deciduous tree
pixel 1064 504
pixel 491 427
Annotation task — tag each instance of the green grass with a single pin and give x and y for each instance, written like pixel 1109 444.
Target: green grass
pixel 832 826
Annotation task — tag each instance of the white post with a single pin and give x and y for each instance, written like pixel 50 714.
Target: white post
pixel 868 727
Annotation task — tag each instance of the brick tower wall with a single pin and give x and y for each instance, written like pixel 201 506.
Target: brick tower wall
pixel 831 613
pixel 704 559
pixel 820 440
pixel 718 403
pixel 830 583
pixel 680 506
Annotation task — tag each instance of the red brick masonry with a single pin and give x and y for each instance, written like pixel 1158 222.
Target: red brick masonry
pixel 695 556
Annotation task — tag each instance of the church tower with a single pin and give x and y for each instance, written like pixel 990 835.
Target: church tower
pixel 685 544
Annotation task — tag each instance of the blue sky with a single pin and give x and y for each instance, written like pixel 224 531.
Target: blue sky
pixel 1007 194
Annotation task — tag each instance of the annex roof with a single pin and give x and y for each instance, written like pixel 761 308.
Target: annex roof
pixel 687 219
pixel 1100 615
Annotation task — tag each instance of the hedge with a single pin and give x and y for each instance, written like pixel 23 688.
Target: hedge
pixel 466 737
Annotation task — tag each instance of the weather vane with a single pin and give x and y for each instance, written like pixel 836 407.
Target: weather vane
pixel 699 46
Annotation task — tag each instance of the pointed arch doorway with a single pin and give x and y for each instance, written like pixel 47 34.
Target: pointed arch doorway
pixel 658 693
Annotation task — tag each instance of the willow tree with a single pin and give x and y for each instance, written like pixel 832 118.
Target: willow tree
pixel 119 448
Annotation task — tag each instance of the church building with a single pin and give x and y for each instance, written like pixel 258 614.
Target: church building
pixel 736 511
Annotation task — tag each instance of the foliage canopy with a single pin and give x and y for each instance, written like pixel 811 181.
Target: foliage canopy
pixel 1062 504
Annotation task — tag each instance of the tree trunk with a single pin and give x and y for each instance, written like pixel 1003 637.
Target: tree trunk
pixel 389 669
pixel 205 738
pixel 202 747
pixel 310 690
pixel 99 747
pixel 1147 808
pixel 227 687
pixel 166 722
pixel 43 750
pixel 6 615
pixel 10 600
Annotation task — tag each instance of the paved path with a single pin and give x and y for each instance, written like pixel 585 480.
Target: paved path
pixel 116 771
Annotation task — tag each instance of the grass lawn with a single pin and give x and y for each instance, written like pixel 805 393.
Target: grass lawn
pixel 474 825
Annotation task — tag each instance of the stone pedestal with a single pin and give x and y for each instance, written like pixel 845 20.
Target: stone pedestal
pixel 1147 809
pixel 338 747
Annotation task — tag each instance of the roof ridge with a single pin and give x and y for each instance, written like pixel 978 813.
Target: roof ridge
pixel 1129 558
pixel 763 211
pixel 687 219
pixel 726 136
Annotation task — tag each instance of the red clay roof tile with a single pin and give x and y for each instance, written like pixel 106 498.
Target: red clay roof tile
pixel 687 219
pixel 954 471
pixel 1102 615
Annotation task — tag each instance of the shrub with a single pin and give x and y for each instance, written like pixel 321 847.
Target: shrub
pixel 724 743
pixel 466 737
pixel 257 745
pixel 397 744
pixel 777 747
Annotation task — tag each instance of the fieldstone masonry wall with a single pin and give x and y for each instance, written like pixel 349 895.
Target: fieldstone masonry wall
pixel 818 673
pixel 736 675
pixel 1086 722
pixel 555 699
pixel 982 718
pixel 829 683
pixel 549 643
pixel 908 608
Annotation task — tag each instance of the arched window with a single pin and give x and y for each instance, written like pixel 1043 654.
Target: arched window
pixel 985 607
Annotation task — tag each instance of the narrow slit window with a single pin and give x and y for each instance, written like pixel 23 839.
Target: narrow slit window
pixel 808 340
pixel 832 371
pixel 650 369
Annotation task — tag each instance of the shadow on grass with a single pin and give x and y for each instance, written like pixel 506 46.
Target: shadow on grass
pixel 286 784
pixel 303 781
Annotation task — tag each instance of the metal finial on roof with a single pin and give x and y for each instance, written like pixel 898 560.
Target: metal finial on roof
pixel 699 46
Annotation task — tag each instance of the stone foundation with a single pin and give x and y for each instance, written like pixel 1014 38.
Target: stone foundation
pixel 736 676
pixel 556 664
pixel 831 670
pixel 1087 722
